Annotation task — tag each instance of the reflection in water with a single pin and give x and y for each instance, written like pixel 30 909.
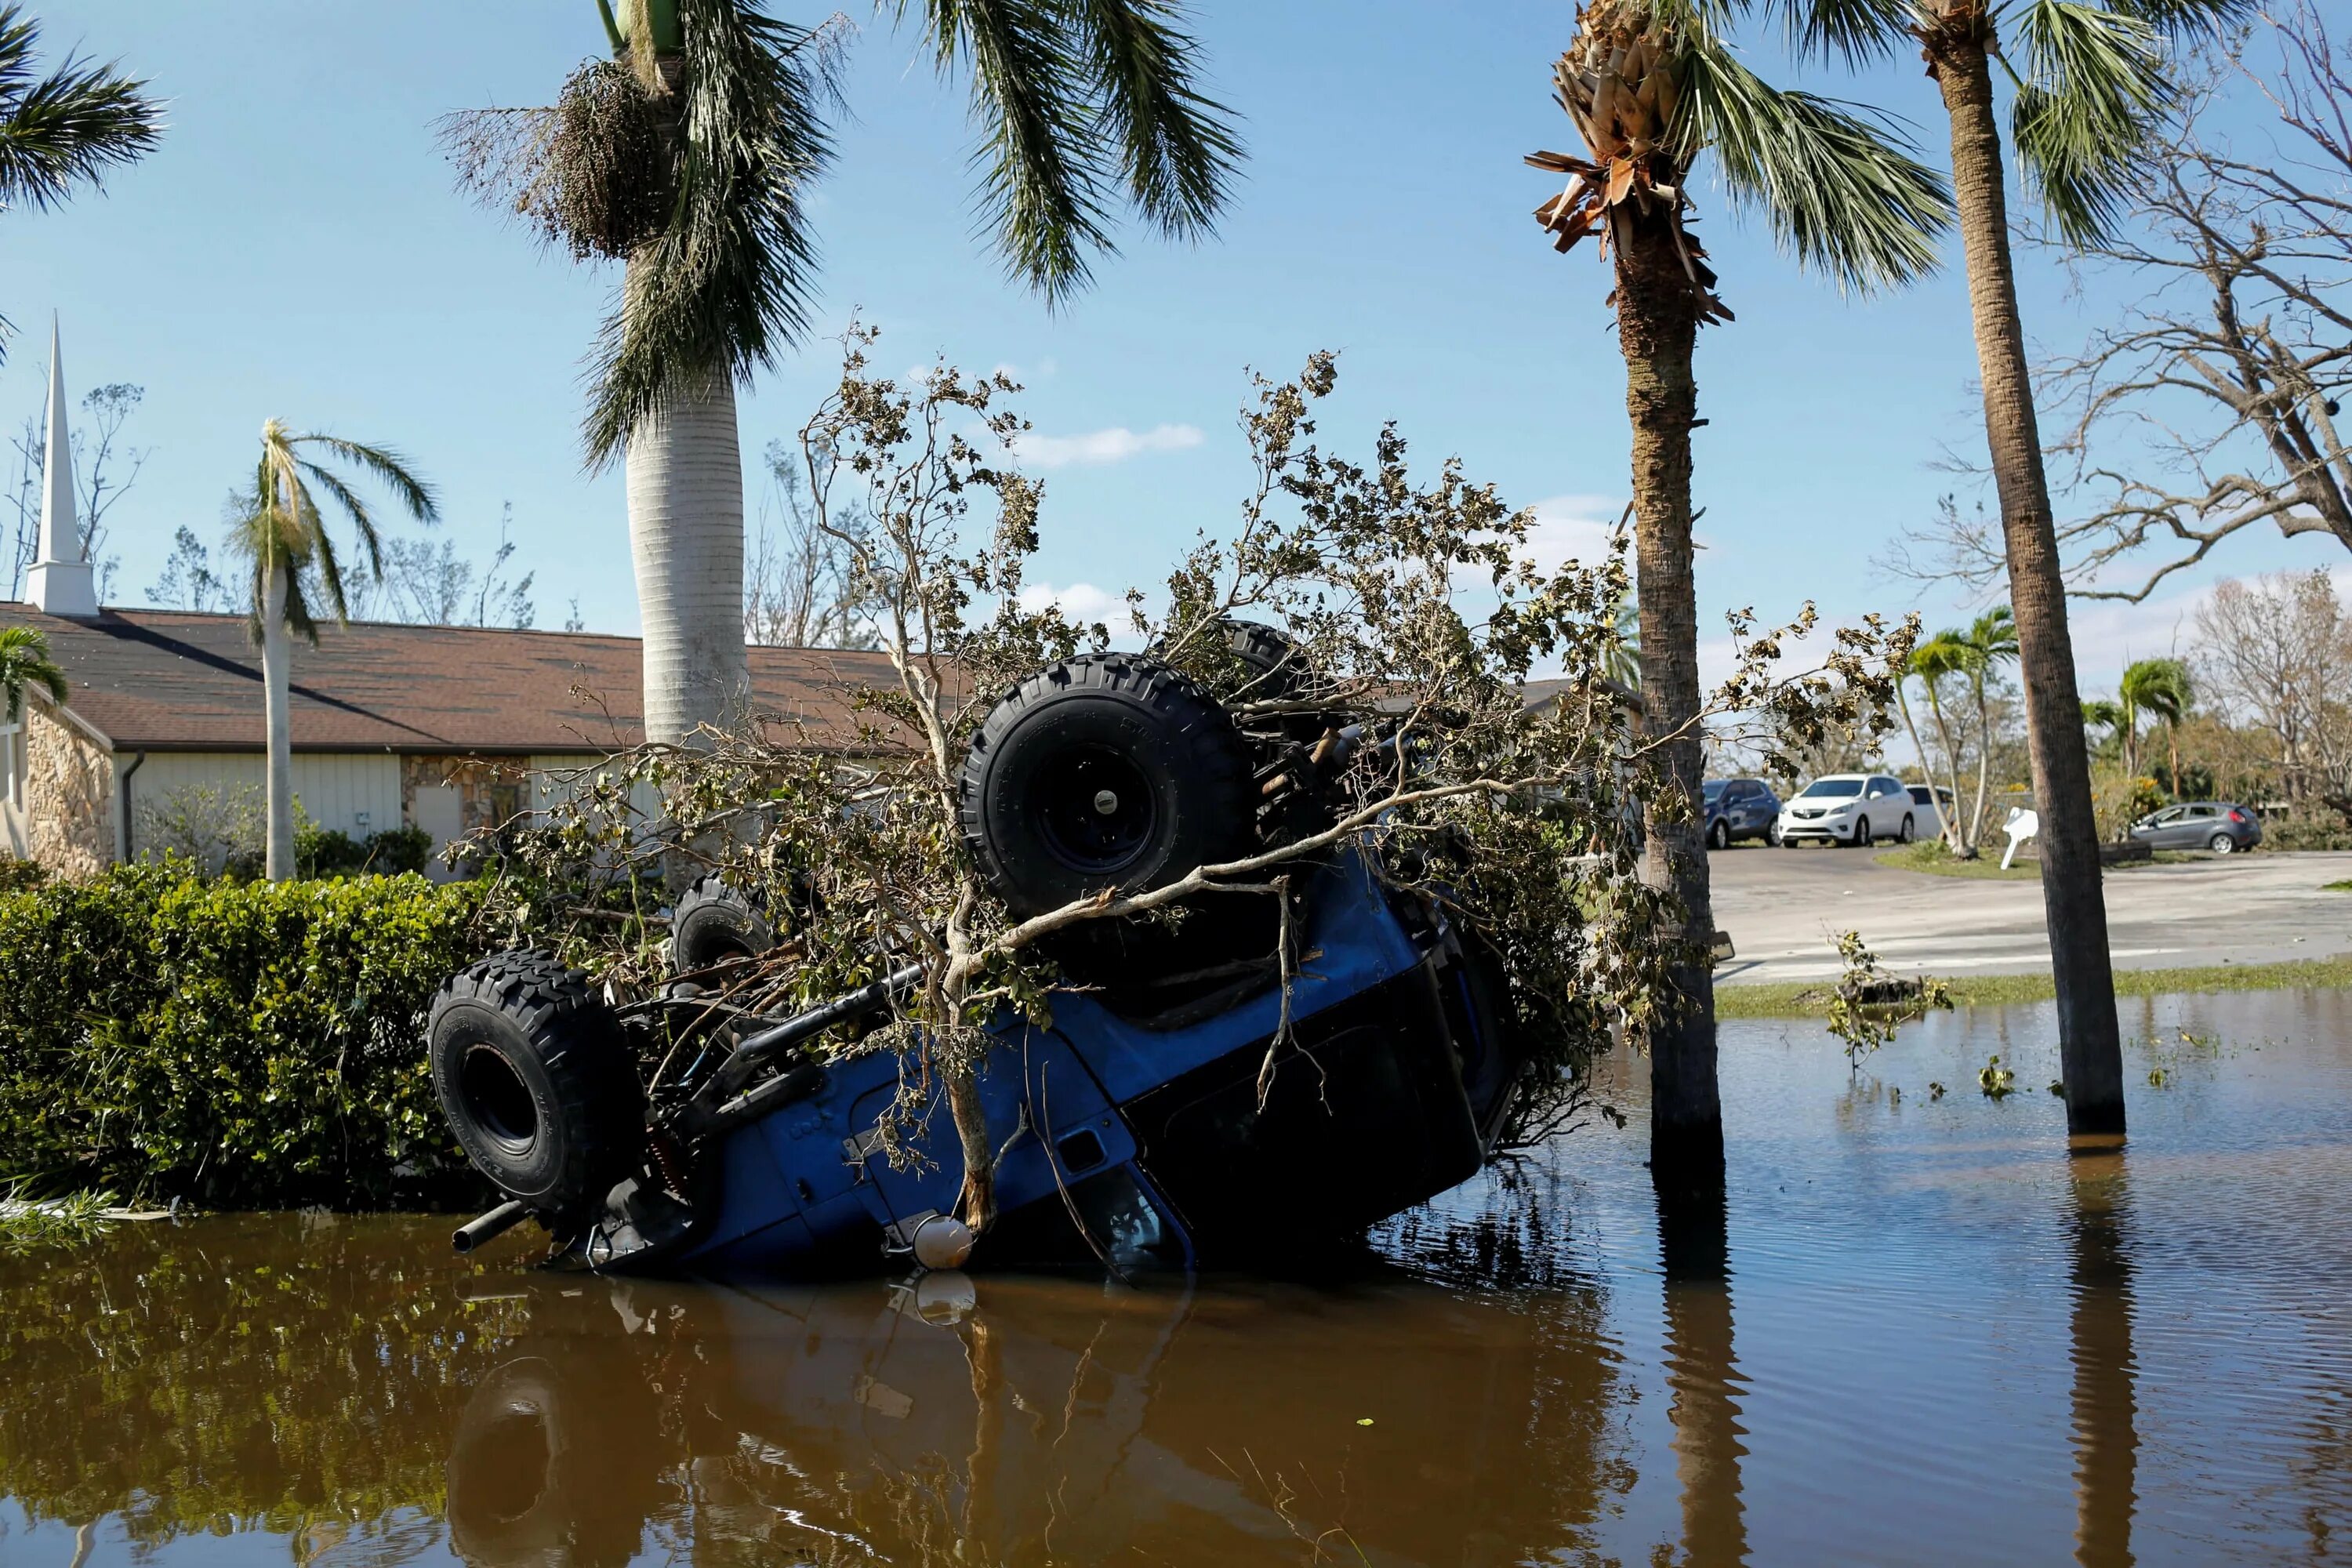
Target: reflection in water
pixel 1029 1421
pixel 2106 1422
pixel 1936 1309
pixel 1694 1244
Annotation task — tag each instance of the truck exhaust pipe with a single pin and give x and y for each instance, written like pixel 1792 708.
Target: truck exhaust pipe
pixel 495 1223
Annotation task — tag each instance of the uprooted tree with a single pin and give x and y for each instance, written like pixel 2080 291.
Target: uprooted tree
pixel 1393 709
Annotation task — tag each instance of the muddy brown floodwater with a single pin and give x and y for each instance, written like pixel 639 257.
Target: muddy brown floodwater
pixel 1919 1332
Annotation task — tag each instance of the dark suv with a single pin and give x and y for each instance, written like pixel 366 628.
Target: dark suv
pixel 1741 808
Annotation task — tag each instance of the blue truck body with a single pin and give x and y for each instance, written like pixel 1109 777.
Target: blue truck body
pixel 1143 1143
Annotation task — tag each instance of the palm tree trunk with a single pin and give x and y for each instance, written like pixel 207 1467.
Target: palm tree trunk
pixel 277 662
pixel 2089 1042
pixel 2172 756
pixel 1955 837
pixel 1984 764
pixel 1657 326
pixel 1927 768
pixel 685 535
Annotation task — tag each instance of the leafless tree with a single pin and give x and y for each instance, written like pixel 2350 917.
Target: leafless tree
pixel 801 586
pixel 2213 404
pixel 2278 654
pixel 421 585
pixel 105 468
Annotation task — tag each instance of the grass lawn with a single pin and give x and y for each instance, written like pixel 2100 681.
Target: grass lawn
pixel 1810 999
pixel 1930 856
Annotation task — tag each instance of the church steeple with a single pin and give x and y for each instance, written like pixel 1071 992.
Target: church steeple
pixel 60 581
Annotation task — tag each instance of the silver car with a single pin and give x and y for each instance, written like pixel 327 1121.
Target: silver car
pixel 2224 826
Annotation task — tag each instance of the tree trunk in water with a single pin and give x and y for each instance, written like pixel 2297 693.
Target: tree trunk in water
pixel 277 662
pixel 2090 1045
pixel 685 535
pixel 1657 326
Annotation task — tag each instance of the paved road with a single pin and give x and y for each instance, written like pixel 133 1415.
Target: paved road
pixel 1785 907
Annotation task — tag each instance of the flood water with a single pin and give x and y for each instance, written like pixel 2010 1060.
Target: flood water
pixel 1920 1331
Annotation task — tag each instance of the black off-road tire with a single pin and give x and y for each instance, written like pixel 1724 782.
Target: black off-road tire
pixel 537 1082
pixel 1277 667
pixel 714 922
pixel 1107 770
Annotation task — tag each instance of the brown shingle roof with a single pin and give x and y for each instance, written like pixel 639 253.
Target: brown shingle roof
pixel 178 680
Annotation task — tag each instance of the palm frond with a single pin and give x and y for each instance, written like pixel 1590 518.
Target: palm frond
pixel 68 127
pixel 1834 185
pixel 726 285
pixel 390 468
pixel 330 568
pixel 1178 144
pixel 24 661
pixel 1857 32
pixel 2189 21
pixel 356 508
pixel 1042 184
pixel 2092 94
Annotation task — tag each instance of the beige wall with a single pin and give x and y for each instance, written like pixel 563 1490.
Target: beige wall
pixel 354 792
pixel 69 796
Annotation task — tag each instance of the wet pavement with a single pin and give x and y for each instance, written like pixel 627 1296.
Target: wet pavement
pixel 1919 1332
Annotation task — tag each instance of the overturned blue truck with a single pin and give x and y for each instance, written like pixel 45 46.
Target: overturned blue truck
pixel 1134 1132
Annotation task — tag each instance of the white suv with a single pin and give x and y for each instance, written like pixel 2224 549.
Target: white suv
pixel 1849 808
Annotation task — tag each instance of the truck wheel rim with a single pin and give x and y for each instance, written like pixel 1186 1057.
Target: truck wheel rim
pixel 1097 811
pixel 501 1102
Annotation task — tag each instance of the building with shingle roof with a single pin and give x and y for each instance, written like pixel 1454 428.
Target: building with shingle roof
pixel 448 728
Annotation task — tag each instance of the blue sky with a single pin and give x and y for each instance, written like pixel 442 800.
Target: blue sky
pixel 296 248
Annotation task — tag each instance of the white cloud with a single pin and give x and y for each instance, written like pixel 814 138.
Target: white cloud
pixel 1082 602
pixel 2109 634
pixel 1116 445
pixel 1572 527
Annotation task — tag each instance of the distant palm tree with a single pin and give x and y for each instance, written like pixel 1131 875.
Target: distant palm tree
pixel 2100 713
pixel 1992 641
pixel 25 663
pixel 1933 660
pixel 283 535
pixel 690 155
pixel 2089 85
pixel 2159 687
pixel 1650 86
pixel 65 129
pixel 1621 661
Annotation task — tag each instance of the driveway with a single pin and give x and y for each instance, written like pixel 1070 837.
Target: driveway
pixel 1784 909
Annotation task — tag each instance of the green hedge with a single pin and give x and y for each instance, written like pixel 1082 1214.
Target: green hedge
pixel 238 1044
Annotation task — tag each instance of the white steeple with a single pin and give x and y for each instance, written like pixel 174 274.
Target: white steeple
pixel 60 581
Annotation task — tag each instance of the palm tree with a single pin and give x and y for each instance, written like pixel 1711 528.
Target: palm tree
pixel 688 156
pixel 1933 660
pixel 2089 87
pixel 25 663
pixel 1650 85
pixel 2098 712
pixel 2160 687
pixel 293 555
pixel 1990 641
pixel 65 129
pixel 1621 661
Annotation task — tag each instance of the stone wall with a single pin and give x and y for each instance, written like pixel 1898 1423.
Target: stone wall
pixel 68 795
